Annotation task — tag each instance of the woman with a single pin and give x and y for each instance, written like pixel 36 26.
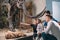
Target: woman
pixel 40 28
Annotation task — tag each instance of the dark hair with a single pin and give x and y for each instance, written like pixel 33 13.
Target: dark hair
pixel 48 12
pixel 39 21
pixel 49 16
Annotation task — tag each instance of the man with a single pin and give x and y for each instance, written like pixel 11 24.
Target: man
pixel 48 13
pixel 53 27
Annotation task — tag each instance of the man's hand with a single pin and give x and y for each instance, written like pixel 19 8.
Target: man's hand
pixel 59 23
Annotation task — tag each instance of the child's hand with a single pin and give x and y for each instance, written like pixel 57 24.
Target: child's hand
pixel 24 23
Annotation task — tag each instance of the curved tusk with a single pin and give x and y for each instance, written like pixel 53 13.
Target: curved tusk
pixel 36 16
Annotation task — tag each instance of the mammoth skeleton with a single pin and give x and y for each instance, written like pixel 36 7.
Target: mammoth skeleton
pixel 37 7
pixel 31 8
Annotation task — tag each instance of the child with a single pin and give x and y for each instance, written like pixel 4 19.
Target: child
pixel 34 26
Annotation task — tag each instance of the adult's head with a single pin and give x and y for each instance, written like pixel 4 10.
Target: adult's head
pixel 47 12
pixel 48 18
